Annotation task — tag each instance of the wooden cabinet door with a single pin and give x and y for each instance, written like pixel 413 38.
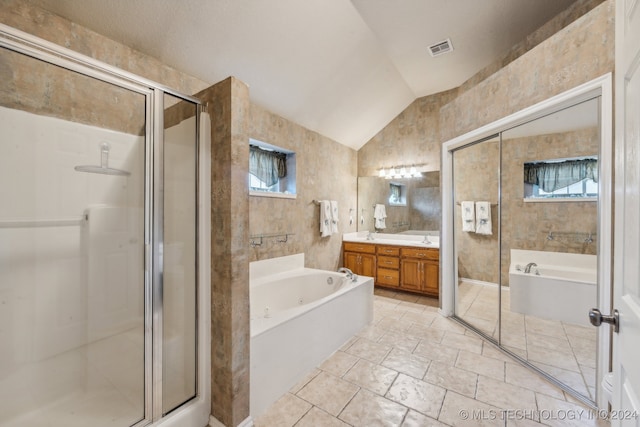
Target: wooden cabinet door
pixel 351 262
pixel 367 265
pixel 411 274
pixel 431 272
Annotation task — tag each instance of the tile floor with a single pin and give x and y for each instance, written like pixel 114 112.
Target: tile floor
pixel 564 350
pixel 413 367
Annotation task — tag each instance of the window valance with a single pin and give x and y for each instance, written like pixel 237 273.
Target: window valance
pixel 268 166
pixel 550 176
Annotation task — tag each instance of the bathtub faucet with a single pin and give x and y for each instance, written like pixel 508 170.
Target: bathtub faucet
pixel 350 275
pixel 527 269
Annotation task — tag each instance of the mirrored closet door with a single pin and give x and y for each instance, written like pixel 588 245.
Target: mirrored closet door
pixel 527 258
pixel 476 177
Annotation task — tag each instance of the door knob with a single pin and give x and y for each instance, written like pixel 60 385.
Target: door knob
pixel 596 318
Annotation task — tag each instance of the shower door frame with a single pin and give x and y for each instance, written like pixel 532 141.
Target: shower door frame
pixel 37 48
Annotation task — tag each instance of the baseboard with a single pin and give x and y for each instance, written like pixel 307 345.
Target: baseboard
pixel 213 422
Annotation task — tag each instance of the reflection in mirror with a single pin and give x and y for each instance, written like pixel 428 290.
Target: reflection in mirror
pixel 475 177
pixel 412 205
pixel 549 246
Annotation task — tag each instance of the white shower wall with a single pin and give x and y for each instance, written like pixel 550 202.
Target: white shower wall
pixel 49 302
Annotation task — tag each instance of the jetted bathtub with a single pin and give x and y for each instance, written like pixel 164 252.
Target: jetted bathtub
pixel 299 317
pixel 561 287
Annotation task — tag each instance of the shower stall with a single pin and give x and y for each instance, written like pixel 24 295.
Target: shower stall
pixel 99 244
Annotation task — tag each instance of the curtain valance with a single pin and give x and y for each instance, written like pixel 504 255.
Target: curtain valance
pixel 551 176
pixel 267 166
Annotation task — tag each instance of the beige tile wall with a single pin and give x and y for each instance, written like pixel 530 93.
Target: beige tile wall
pixel 413 137
pixel 229 106
pixel 324 170
pixel 22 15
pixel 581 51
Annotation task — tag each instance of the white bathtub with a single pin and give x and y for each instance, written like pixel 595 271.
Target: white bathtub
pixel 298 319
pixel 565 289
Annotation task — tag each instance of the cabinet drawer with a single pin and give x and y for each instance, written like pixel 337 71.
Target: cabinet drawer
pixel 388 277
pixel 388 250
pixel 388 262
pixel 359 247
pixel 433 254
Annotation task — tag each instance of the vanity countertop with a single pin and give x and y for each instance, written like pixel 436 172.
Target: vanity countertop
pixel 393 239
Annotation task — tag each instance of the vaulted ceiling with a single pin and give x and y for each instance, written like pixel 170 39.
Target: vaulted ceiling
pixel 342 68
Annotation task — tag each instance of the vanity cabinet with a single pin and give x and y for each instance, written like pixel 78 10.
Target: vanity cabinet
pixel 398 267
pixel 360 258
pixel 388 271
pixel 420 270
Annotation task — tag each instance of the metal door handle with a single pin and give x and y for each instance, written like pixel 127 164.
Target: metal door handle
pixel 596 318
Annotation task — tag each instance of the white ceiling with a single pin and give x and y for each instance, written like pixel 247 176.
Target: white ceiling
pixel 342 68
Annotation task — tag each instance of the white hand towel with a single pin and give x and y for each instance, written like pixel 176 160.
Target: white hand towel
pixel 483 218
pixel 325 218
pixel 379 215
pixel 334 216
pixel 468 216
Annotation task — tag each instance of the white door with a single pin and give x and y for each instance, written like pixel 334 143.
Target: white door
pixel 626 343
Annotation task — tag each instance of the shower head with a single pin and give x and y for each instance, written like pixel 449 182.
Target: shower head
pixel 104 164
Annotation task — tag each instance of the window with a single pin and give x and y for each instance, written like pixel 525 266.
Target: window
pixel 561 179
pixel 397 194
pixel 272 170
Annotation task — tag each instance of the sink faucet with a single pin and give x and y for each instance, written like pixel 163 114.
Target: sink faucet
pixel 370 236
pixel 350 275
pixel 527 269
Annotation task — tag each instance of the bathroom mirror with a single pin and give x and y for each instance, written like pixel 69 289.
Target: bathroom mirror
pixel 529 285
pixel 417 210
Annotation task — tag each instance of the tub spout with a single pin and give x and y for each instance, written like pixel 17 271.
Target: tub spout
pixel 527 269
pixel 350 274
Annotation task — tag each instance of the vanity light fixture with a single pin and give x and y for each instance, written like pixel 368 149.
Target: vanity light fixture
pixel 397 172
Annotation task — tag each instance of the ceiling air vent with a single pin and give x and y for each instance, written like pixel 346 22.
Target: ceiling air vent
pixel 440 48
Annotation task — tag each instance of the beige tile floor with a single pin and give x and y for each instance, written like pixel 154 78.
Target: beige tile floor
pixel 564 350
pixel 413 367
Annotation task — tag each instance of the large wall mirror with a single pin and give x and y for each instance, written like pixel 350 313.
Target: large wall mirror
pixel 528 214
pixel 412 205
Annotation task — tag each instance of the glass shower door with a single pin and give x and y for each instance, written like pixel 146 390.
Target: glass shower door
pixel 179 266
pixel 72 263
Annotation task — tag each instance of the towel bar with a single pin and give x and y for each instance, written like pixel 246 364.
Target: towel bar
pixel 258 239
